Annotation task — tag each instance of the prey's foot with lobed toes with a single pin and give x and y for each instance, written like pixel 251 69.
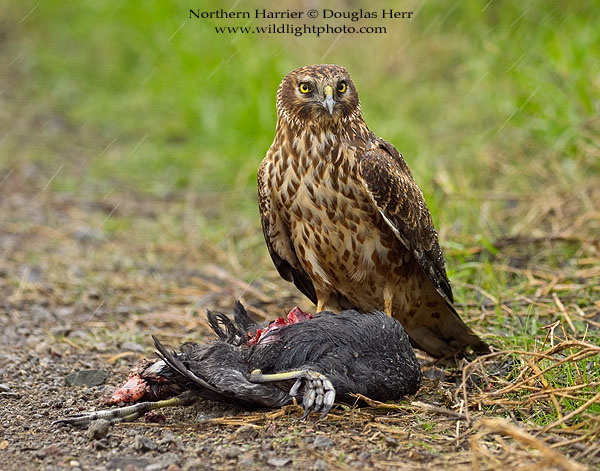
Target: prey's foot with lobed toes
pixel 317 391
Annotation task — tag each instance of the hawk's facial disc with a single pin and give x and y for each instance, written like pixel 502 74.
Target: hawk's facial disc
pixel 317 94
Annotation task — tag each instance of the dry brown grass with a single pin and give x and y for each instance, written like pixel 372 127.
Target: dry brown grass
pixel 517 408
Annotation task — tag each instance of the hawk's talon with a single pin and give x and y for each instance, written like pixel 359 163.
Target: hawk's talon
pixel 295 388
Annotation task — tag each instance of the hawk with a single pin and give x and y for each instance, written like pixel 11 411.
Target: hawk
pixel 344 220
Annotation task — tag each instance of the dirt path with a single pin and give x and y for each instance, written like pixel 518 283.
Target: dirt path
pixel 75 300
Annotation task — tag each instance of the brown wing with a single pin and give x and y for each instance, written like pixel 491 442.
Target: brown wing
pixel 400 201
pixel 278 242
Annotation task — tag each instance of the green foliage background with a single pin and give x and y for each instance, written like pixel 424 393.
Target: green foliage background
pixel 470 93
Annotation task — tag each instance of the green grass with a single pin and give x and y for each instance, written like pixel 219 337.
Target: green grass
pixel 190 108
pixel 543 411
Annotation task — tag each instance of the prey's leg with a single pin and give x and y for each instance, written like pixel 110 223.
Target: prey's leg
pixel 128 413
pixel 319 393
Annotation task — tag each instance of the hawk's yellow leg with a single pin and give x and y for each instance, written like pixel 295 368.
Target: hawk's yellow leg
pixel 323 298
pixel 388 299
pixel 320 305
pixel 327 301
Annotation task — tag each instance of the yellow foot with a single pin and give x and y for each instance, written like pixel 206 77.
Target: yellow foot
pixel 388 299
pixel 388 307
pixel 322 300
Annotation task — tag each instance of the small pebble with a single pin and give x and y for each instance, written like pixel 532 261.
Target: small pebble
pixel 98 429
pixel 123 463
pixel 86 378
pixel 132 347
pixel 169 459
pixel 143 443
pixel 194 465
pixel 246 461
pixel 279 462
pixel 102 444
pixel 321 441
pixel 391 442
pixel 231 452
pixel 9 395
pixel 49 450
pixel 320 465
pixel 41 453
pixel 246 432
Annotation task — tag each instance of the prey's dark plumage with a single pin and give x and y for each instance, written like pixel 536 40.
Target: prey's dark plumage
pixel 366 354
pixel 318 360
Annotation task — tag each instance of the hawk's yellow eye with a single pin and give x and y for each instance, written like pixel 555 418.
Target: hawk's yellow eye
pixel 304 88
pixel 341 87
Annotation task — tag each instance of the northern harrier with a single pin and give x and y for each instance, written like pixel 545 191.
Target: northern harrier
pixel 345 221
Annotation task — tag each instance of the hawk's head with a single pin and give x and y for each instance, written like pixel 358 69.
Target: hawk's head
pixel 318 94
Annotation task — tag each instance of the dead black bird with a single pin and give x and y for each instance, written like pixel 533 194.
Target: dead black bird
pixel 317 360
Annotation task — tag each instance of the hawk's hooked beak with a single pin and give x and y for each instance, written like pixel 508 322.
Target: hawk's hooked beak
pixel 328 102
